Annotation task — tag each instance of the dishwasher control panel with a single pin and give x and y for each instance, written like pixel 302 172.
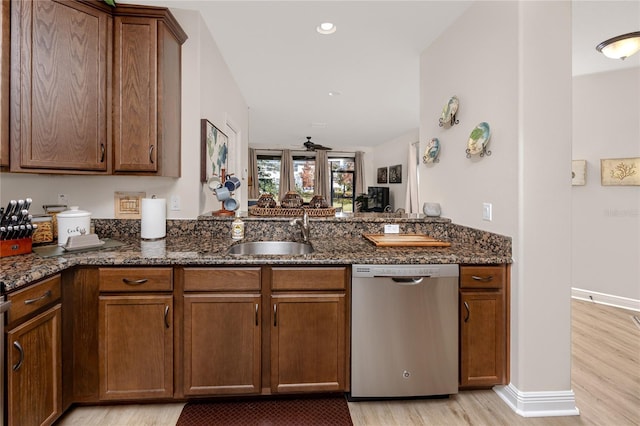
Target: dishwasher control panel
pixel 369 271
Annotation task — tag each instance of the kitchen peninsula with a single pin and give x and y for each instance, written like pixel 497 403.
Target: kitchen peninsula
pixel 175 301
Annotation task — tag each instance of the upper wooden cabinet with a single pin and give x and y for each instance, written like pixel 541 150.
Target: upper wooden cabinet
pixel 5 48
pixel 96 89
pixel 146 91
pixel 60 55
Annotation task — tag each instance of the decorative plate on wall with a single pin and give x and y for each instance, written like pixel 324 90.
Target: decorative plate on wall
pixel 478 140
pixel 432 151
pixel 448 117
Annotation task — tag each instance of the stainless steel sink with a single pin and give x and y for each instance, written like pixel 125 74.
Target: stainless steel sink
pixel 282 248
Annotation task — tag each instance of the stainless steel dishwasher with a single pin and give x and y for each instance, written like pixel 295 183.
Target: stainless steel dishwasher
pixel 404 338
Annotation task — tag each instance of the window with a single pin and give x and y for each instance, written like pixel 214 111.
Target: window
pixel 342 183
pixel 269 174
pixel 304 169
pixel 304 166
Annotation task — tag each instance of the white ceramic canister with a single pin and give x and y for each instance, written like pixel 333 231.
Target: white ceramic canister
pixel 72 222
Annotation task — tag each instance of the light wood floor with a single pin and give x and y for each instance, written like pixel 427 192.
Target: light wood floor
pixel 605 378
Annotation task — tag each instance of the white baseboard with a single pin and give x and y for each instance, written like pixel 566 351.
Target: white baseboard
pixel 538 404
pixel 605 299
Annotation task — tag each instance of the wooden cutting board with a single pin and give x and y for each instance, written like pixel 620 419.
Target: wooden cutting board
pixel 405 240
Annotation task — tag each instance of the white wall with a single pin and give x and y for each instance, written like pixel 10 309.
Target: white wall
pixel 391 153
pixel 509 63
pixel 606 219
pixel 208 91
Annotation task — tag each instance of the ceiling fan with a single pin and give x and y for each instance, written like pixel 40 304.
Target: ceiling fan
pixel 314 146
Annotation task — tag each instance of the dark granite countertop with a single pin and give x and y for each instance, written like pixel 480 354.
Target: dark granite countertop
pixel 18 271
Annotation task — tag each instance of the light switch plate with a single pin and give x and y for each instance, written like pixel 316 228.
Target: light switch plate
pixel 392 229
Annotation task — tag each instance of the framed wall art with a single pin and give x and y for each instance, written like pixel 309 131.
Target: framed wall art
pixel 578 172
pixel 620 171
pixel 382 175
pixel 213 151
pixel 395 174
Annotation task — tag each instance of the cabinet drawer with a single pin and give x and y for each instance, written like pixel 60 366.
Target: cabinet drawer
pixel 136 279
pixel 490 276
pixel 32 298
pixel 221 279
pixel 292 278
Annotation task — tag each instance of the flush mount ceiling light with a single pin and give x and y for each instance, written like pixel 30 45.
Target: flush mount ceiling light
pixel 620 47
pixel 335 93
pixel 326 28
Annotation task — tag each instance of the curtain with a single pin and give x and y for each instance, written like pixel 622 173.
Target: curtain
pixel 254 192
pixel 322 175
pixel 359 166
pixel 286 173
pixel 411 200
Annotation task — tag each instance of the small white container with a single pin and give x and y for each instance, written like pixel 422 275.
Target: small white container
pixel 237 228
pixel 72 222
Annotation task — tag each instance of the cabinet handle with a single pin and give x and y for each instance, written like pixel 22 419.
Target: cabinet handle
pixel 17 345
pixel 275 315
pixel 134 282
pixel 166 316
pixel 256 314
pixel 151 153
pixel 102 151
pixel 482 279
pixel 37 299
pixel 466 306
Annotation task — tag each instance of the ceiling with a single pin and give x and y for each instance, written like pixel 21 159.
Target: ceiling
pixel 285 69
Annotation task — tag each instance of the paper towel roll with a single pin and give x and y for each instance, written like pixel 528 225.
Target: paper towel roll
pixel 153 222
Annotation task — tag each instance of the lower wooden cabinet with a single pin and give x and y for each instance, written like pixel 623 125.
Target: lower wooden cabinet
pixel 135 333
pixel 308 345
pixel 484 328
pixel 222 344
pixel 222 330
pixel 34 370
pixel 135 346
pixel 309 329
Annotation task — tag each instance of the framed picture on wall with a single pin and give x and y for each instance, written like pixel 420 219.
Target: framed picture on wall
pixel 395 174
pixel 214 150
pixel 382 175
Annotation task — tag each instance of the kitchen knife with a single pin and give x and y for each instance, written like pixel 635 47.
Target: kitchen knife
pixel 27 203
pixel 3 232
pixel 7 212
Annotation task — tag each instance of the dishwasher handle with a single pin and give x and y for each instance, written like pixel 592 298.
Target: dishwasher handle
pixel 408 280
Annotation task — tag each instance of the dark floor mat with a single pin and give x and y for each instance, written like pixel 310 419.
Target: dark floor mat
pixel 330 410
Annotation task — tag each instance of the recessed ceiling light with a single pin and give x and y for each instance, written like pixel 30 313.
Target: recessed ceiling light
pixel 335 93
pixel 326 28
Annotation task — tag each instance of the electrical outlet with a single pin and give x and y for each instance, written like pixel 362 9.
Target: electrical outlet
pixel 487 211
pixel 175 203
pixel 62 199
pixel 392 229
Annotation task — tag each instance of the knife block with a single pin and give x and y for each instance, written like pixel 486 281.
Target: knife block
pixel 15 247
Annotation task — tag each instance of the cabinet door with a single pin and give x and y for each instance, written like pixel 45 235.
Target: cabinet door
pixel 136 346
pixel 308 343
pixel 60 69
pixel 482 338
pixel 221 344
pixel 34 368
pixel 4 82
pixel 135 85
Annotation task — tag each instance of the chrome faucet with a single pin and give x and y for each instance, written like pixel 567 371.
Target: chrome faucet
pixel 303 222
